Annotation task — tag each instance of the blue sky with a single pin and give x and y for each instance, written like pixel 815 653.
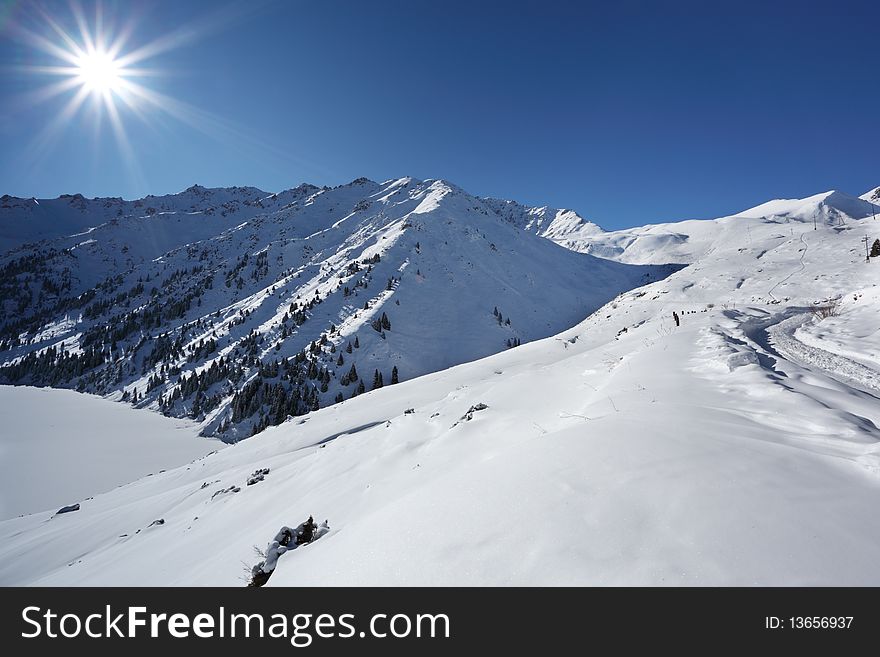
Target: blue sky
pixel 629 112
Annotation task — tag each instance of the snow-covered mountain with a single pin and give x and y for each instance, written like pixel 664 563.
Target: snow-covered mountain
pixel 686 241
pixel 547 222
pixel 31 220
pixel 873 196
pixel 238 309
pixel 716 427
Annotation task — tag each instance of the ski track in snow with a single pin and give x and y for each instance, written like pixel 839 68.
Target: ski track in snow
pixel 797 271
pixel 840 368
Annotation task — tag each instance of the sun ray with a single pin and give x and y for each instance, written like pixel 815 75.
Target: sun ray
pixel 122 141
pixel 97 116
pixel 126 97
pixel 46 92
pixel 44 44
pixel 43 140
pixel 115 48
pixel 141 72
pixel 84 32
pixel 74 47
pixel 215 21
pixel 158 46
pixel 66 71
pixel 216 127
pixel 99 27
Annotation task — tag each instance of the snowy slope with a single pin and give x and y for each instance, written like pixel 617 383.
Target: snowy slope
pixel 58 446
pixel 728 450
pixel 686 241
pixel 311 298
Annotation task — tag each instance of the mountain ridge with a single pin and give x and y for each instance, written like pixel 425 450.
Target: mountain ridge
pixel 244 318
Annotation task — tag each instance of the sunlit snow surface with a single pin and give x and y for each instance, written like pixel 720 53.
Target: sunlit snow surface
pixel 739 448
pixel 59 446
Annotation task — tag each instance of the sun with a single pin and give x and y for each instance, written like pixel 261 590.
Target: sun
pixel 99 72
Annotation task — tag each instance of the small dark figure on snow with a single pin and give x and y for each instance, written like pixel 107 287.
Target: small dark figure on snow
pixel 308 532
pixel 675 317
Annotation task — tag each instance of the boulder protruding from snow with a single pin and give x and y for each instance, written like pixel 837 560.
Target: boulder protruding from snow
pixel 473 409
pixel 258 476
pixel 224 491
pixel 67 509
pixel 285 540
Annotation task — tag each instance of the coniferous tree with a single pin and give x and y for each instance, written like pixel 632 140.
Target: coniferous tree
pixel 357 343
pixel 875 249
pixel 394 377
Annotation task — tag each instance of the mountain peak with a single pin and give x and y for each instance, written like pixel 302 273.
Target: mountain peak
pixel 826 205
pixel 553 223
pixel 872 196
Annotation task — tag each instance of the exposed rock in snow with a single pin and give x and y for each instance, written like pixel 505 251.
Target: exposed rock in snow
pixel 257 476
pixel 67 509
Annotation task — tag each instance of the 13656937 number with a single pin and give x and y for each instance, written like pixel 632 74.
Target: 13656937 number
pixel 820 622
